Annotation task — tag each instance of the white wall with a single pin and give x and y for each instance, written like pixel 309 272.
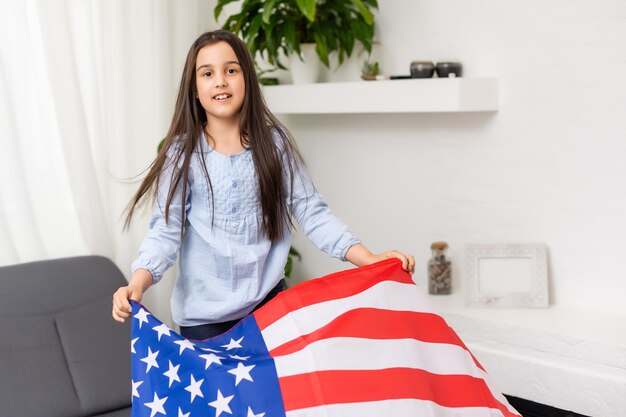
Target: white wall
pixel 550 166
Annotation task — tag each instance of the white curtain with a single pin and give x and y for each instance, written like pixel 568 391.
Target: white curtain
pixel 87 89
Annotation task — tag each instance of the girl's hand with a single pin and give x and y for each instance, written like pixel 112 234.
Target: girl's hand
pixel 141 281
pixel 121 306
pixel 408 262
pixel 359 255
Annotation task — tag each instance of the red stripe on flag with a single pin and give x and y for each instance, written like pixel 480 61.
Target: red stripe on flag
pixel 340 387
pixel 371 323
pixel 335 286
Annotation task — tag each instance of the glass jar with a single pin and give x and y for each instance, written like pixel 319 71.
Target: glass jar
pixel 439 270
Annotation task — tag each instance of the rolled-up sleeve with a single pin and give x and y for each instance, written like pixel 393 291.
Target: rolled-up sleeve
pixel 159 249
pixel 326 231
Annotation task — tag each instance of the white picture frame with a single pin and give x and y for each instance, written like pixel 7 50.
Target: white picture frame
pixel 513 275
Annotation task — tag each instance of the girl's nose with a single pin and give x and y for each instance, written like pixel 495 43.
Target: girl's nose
pixel 220 80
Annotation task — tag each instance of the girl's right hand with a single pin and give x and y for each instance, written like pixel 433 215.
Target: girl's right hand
pixel 121 306
pixel 139 283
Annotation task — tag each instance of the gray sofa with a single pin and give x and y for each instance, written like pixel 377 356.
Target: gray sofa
pixel 61 353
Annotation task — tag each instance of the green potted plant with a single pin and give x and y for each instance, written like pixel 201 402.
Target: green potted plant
pixel 274 26
pixel 370 70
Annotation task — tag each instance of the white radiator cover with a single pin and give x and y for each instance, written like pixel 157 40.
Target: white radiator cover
pixel 567 372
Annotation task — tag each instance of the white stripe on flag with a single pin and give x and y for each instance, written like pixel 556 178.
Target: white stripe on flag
pixel 347 353
pixel 389 295
pixel 400 408
pixel 344 353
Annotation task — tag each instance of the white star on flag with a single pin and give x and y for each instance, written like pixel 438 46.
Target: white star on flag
pixel 142 316
pixel 221 404
pixel 184 344
pixel 151 359
pixel 161 330
pixel 210 359
pixel 241 358
pixel 135 386
pixel 251 414
pixel 132 345
pixel 156 405
pixel 194 388
pixel 241 372
pixel 172 373
pixel 181 414
pixel 233 344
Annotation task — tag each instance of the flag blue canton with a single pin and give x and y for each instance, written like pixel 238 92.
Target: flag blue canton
pixel 232 374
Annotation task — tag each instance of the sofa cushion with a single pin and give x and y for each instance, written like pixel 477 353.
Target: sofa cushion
pixel 46 287
pixel 34 378
pixel 89 337
pixel 61 353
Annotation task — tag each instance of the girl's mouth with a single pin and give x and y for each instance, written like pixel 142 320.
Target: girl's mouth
pixel 222 96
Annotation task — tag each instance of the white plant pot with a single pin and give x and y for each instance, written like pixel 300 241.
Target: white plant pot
pixel 307 70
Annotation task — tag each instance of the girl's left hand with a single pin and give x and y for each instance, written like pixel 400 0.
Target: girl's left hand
pixel 408 262
pixel 359 255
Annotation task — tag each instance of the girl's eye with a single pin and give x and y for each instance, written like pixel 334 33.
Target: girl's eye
pixel 207 74
pixel 231 70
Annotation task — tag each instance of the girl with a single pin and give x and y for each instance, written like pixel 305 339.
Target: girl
pixel 226 185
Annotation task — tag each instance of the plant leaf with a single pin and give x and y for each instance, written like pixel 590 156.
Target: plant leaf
pixel 272 45
pixel 294 252
pixel 220 5
pixel 347 41
pixel 364 33
pixel 307 7
pixel 268 7
pixel 365 12
pixel 372 3
pixel 237 23
pixel 291 37
pixel 288 267
pixel 322 49
pixel 253 31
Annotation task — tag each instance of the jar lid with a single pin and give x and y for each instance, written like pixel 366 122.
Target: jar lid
pixel 439 245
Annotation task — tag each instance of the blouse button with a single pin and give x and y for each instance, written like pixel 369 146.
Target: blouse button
pixel 234 184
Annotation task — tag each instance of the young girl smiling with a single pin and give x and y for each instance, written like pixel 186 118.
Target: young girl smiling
pixel 226 186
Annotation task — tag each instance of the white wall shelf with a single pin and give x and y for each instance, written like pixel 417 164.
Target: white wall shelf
pixel 430 95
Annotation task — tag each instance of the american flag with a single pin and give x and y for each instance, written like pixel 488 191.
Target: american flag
pixel 362 342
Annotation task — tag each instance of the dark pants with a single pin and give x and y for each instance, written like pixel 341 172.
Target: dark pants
pixel 206 331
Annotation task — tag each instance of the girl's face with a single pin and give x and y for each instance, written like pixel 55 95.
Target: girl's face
pixel 219 82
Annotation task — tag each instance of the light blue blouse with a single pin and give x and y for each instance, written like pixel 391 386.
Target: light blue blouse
pixel 227 265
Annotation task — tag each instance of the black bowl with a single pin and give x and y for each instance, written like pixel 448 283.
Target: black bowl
pixel 449 69
pixel 422 69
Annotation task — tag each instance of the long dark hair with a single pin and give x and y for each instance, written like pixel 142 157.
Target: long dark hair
pixel 256 125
